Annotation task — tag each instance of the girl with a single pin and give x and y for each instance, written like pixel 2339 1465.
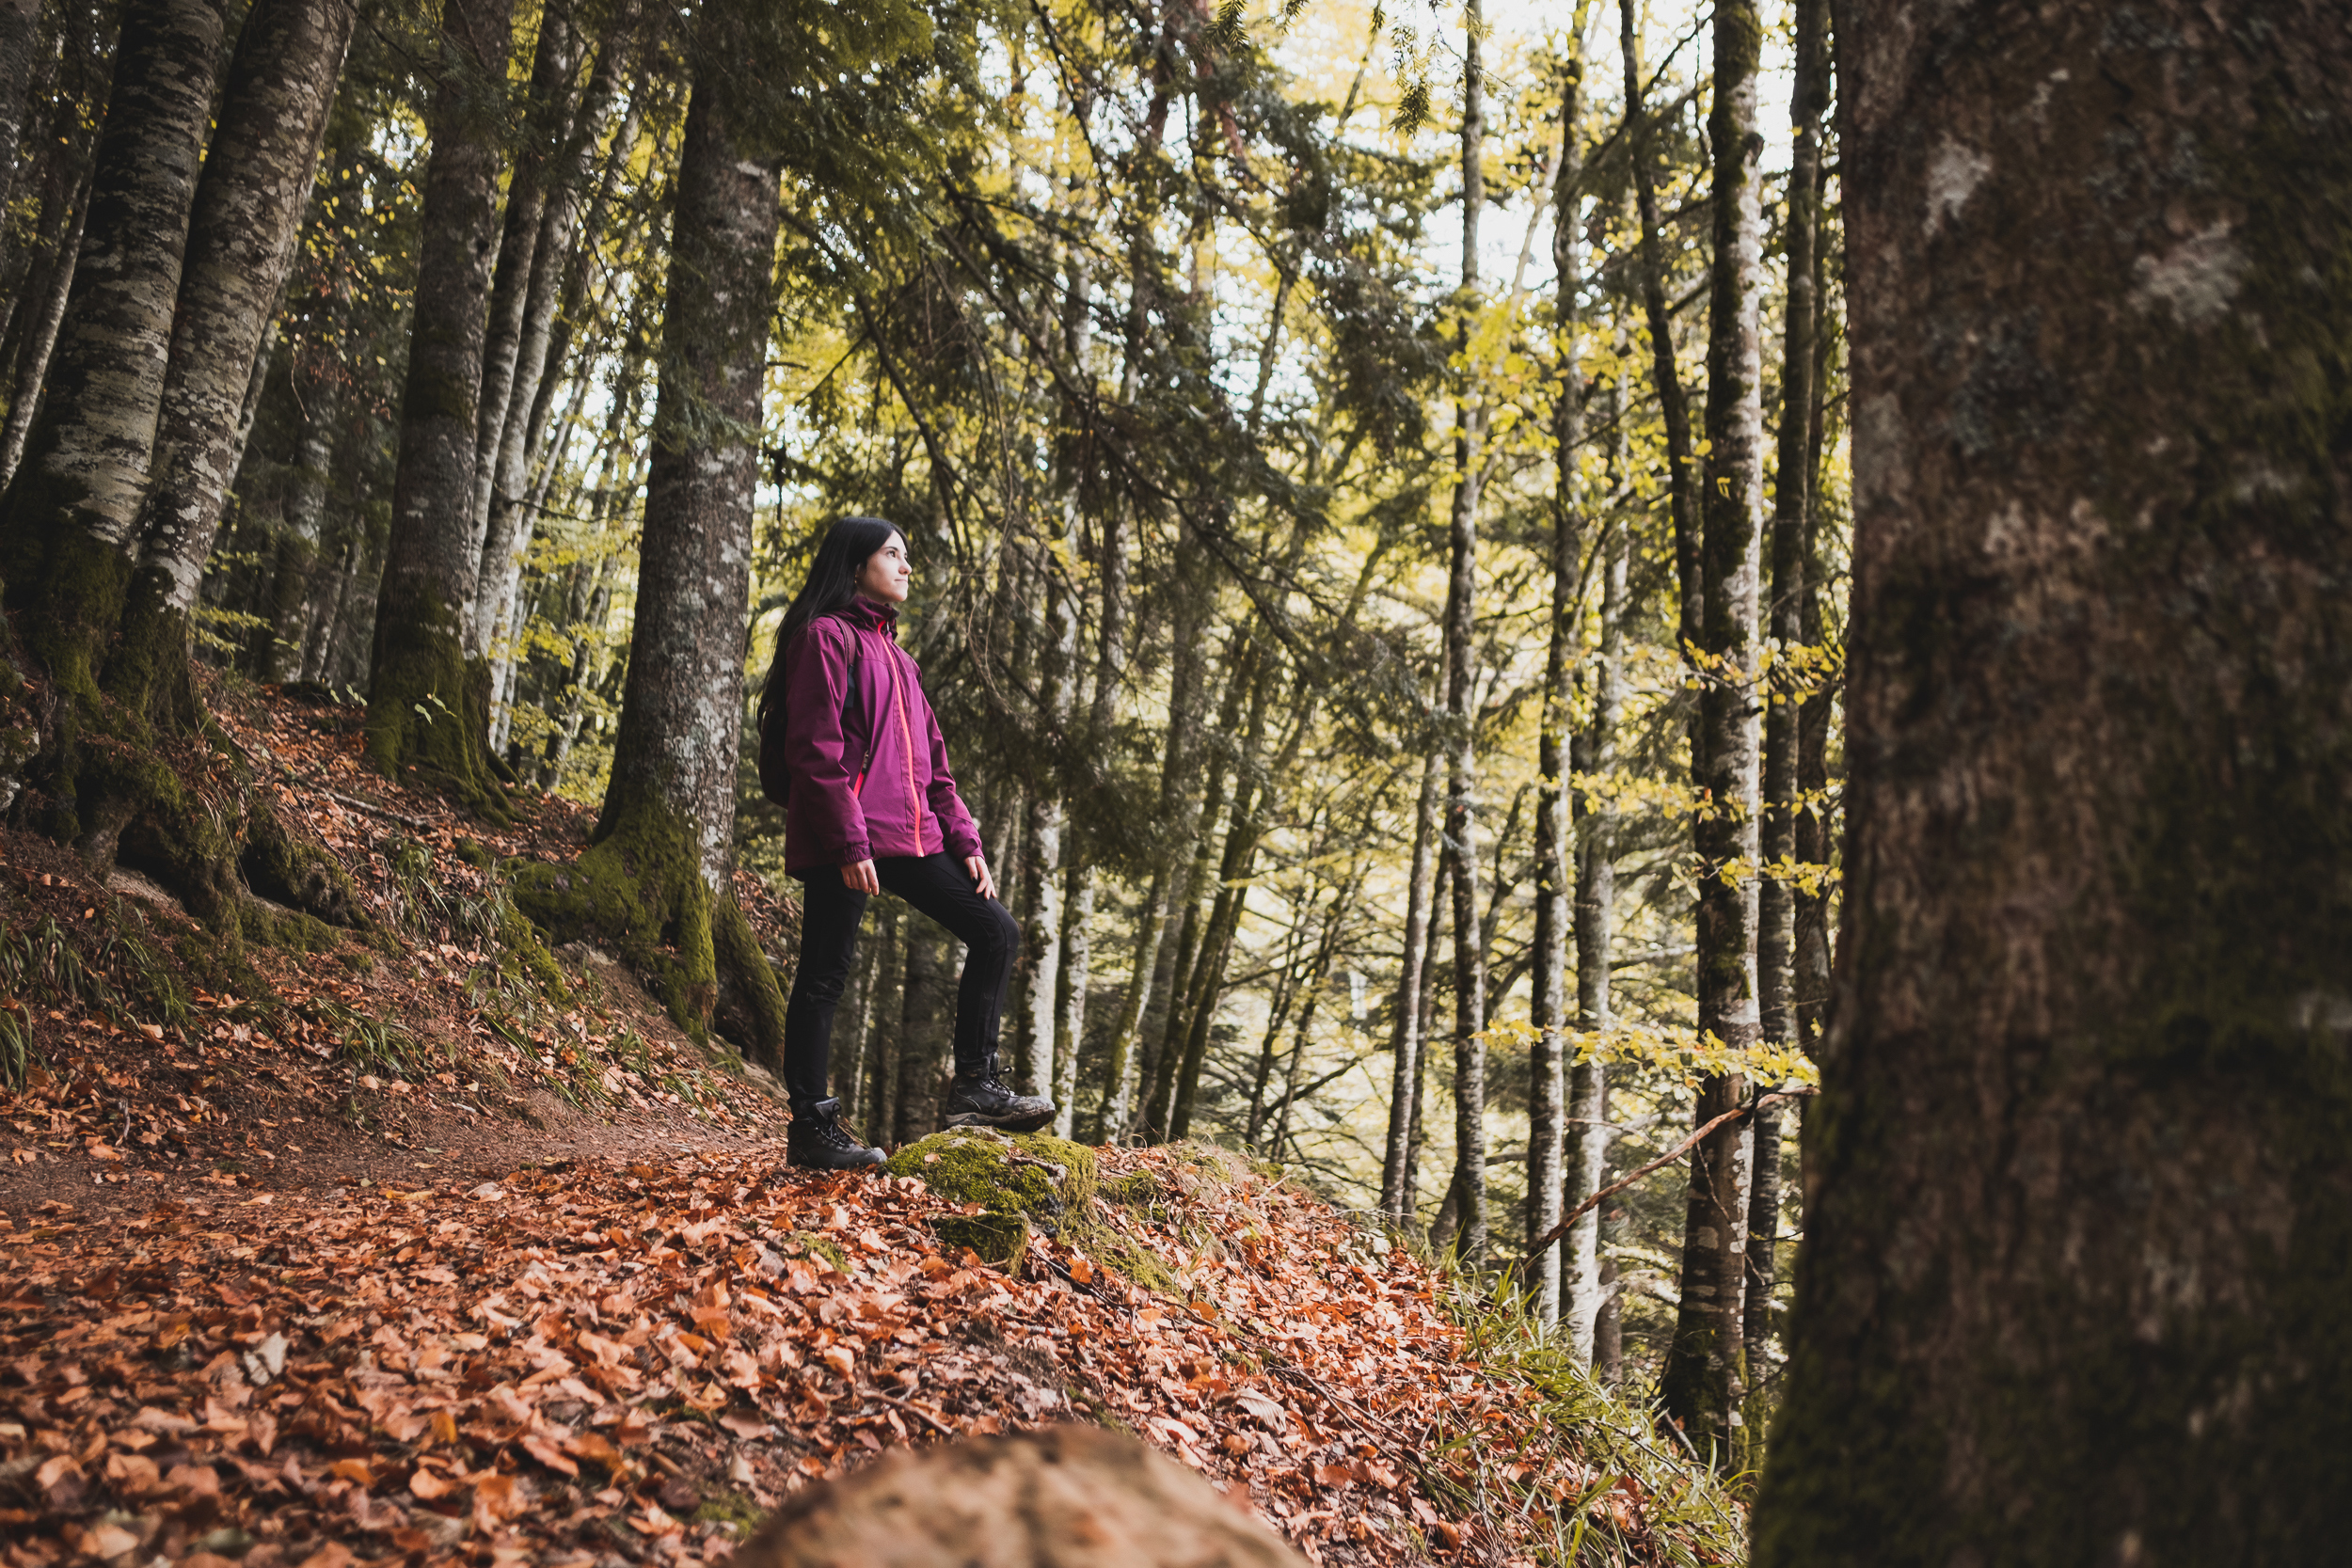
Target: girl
pixel 849 745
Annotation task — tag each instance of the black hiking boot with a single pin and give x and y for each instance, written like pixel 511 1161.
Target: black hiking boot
pixel 815 1141
pixel 977 1098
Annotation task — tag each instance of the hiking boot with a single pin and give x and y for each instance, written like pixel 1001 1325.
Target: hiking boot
pixel 977 1098
pixel 815 1141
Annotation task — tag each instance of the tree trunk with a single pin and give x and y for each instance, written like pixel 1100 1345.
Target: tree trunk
pixel 1792 496
pixel 68 523
pixel 509 521
pixel 1416 1133
pixel 1673 403
pixel 546 115
pixel 1701 1385
pixel 1461 656
pixel 249 211
pixel 2076 1240
pixel 427 706
pixel 922 1034
pixel 1406 1039
pixel 1547 1057
pixel 40 339
pixel 1070 991
pixel 1037 975
pixel 1119 1086
pixel 1584 1287
pixel 659 872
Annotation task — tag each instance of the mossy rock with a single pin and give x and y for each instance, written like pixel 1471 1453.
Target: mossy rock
pixel 1014 1177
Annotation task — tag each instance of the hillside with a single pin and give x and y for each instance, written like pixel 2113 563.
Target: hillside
pixel 404 1246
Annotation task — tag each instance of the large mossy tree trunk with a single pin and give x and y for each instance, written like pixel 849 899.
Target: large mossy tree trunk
pixel 240 241
pixel 2078 1235
pixel 1702 1382
pixel 658 877
pixel 68 523
pixel 128 465
pixel 428 706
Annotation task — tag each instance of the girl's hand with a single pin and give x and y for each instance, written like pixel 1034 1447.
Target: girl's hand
pixel 980 878
pixel 861 877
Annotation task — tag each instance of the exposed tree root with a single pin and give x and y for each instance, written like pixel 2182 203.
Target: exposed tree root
pixel 640 888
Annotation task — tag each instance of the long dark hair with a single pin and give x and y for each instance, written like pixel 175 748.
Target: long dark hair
pixel 832 583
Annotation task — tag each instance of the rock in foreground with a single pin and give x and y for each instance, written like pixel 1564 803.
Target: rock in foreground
pixel 1069 1497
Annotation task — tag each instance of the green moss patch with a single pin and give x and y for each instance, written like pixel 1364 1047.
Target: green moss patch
pixel 1017 1179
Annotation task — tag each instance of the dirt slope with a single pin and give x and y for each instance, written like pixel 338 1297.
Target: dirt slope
pixel 396 1255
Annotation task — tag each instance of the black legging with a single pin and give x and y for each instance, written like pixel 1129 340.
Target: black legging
pixel 940 887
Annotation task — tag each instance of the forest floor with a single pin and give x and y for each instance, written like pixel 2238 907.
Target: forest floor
pixel 381 1251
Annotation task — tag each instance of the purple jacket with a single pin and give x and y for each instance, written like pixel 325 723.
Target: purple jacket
pixel 906 803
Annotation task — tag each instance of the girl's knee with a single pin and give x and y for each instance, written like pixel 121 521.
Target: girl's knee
pixel 1001 936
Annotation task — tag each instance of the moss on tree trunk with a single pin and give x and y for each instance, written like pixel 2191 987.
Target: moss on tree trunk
pixel 2078 1231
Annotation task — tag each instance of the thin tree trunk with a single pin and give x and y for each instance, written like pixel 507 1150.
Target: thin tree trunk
pixel 423 689
pixel 41 341
pixel 1119 1086
pixel 1792 494
pixel 1549 982
pixel 546 115
pixel 247 214
pixel 662 855
pixel 1406 1039
pixel 1583 1285
pixel 2077 1241
pixel 509 521
pixel 1461 814
pixel 1701 1384
pixel 1416 1132
pixel 915 1072
pixel 1070 991
pixel 1673 402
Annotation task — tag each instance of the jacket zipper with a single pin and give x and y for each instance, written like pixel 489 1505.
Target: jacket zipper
pixel 906 736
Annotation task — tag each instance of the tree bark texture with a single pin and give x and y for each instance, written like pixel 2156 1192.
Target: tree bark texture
pixel 2079 1229
pixel 1546 1109
pixel 660 871
pixel 1792 505
pixel 1701 1383
pixel 1586 1162
pixel 68 524
pixel 423 693
pixel 248 212
pixel 1461 654
pixel 41 335
pixel 1408 1039
pixel 544 121
pixel 1673 403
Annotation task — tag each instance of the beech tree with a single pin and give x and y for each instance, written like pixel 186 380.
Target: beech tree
pixel 182 255
pixel 2076 1231
pixel 428 705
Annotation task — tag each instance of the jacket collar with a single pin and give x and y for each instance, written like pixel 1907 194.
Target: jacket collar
pixel 864 611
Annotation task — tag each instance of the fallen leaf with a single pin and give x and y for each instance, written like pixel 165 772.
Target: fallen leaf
pixel 543 1449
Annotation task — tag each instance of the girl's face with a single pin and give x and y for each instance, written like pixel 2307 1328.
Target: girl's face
pixel 885 575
